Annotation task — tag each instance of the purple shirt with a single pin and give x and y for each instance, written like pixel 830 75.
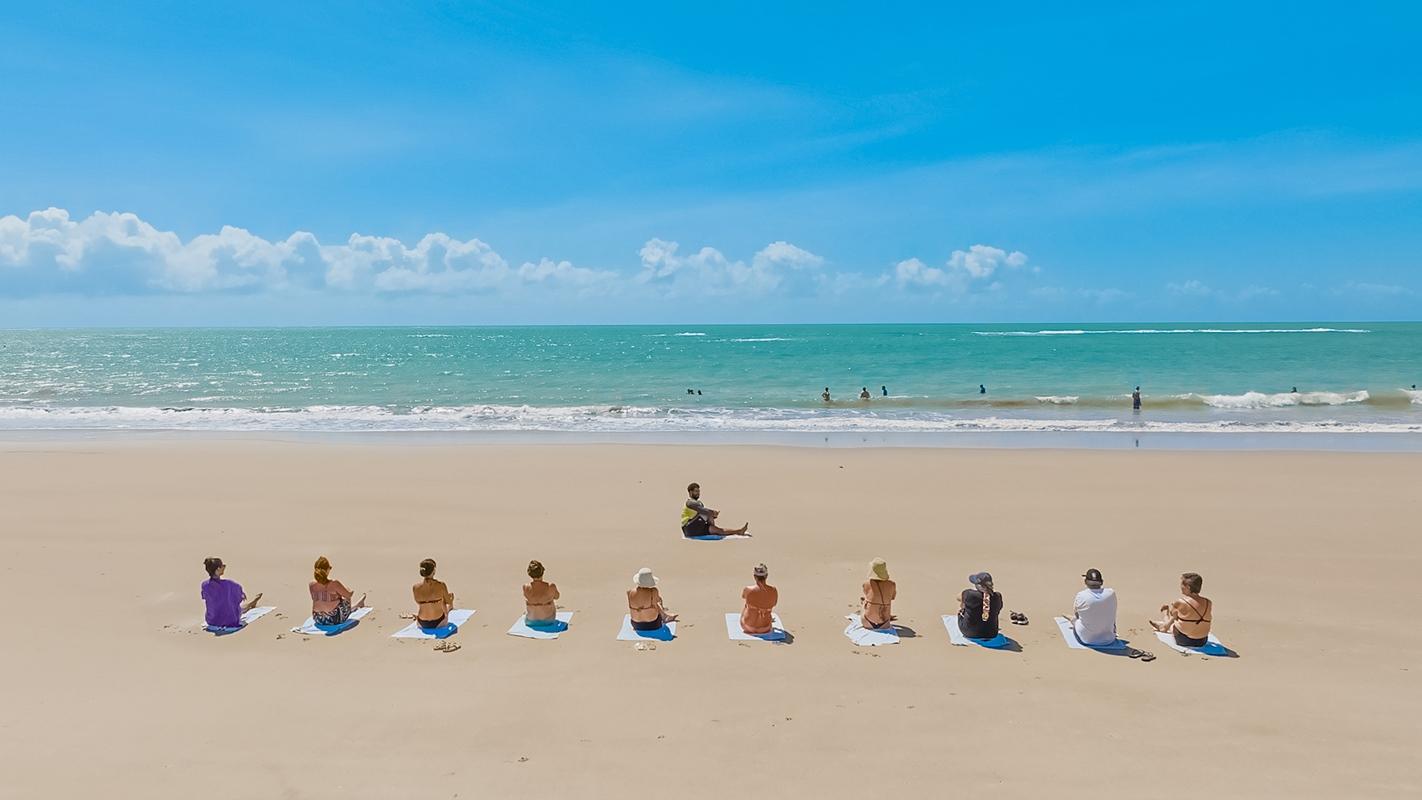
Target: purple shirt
pixel 224 602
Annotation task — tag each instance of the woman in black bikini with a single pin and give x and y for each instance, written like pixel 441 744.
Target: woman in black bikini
pixel 1188 618
pixel 877 597
pixel 644 602
pixel 433 598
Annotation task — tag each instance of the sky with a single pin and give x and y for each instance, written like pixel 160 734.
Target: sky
pixel 500 163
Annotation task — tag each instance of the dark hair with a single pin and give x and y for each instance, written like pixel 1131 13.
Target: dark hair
pixel 211 565
pixel 323 570
pixel 427 567
pixel 691 486
pixel 535 569
pixel 1192 581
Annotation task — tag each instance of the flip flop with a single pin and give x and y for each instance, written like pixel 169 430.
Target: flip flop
pixel 1147 655
pixel 1018 619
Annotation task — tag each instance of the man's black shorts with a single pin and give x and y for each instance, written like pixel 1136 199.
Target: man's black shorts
pixel 696 526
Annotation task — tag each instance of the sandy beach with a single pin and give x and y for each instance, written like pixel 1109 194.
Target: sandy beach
pixel 108 688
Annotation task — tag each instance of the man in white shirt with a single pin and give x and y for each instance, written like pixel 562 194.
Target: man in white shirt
pixel 1095 618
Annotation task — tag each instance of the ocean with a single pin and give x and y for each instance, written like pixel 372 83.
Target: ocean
pixel 744 379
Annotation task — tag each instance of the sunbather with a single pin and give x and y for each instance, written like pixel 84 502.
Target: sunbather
pixel 1094 611
pixel 979 608
pixel 433 599
pixel 644 602
pixel 698 520
pixel 225 600
pixel 1188 618
pixel 538 597
pixel 760 599
pixel 330 600
pixel 876 601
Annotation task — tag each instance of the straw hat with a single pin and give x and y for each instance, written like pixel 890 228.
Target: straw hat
pixel 878 570
pixel 644 578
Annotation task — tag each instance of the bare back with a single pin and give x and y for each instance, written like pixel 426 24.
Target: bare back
pixel 433 598
pixel 538 597
pixel 645 605
pixel 1193 615
pixel 326 596
pixel 878 603
pixel 760 603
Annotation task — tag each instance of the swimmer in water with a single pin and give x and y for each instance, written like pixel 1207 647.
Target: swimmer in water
pixel 864 393
pixel 885 389
pixel 825 396
pixel 1294 390
pixel 982 389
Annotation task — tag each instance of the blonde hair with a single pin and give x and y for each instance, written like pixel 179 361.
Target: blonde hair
pixel 535 569
pixel 323 570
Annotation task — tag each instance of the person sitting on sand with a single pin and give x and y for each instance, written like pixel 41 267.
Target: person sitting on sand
pixel 225 600
pixel 644 602
pixel 698 520
pixel 433 599
pixel 330 600
pixel 538 597
pixel 979 608
pixel 1094 616
pixel 1189 617
pixel 877 598
pixel 760 599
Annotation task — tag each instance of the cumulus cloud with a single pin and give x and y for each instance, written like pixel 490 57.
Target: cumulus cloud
pixel 118 253
pixel 708 271
pixel 964 270
pixel 1199 290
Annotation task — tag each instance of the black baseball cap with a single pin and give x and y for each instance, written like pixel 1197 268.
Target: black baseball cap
pixel 1093 576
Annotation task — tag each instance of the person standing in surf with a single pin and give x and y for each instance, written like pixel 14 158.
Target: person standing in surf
pixel 1136 399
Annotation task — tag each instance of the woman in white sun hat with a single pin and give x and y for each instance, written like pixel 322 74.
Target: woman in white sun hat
pixel 644 601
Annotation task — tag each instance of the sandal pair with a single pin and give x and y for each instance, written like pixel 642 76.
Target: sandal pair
pixel 1017 619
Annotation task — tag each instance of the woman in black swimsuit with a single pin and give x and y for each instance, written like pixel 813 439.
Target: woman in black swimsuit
pixel 432 596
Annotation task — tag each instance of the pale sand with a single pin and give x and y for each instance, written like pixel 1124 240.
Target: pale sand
pixel 1323 702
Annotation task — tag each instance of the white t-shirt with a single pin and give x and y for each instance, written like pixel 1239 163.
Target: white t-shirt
pixel 1096 616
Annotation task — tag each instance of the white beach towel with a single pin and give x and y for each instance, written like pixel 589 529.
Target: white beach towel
pixel 247 619
pixel 1069 636
pixel 629 634
pixel 451 626
pixel 521 627
pixel 733 630
pixel 955 634
pixel 866 637
pixel 310 628
pixel 1213 646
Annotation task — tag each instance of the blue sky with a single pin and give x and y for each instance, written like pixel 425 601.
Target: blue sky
pixel 498 163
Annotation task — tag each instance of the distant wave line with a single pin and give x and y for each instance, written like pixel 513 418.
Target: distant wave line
pixel 1145 331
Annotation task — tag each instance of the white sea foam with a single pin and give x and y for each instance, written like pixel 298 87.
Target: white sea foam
pixel 689 333
pixel 1251 400
pixel 762 339
pixel 1415 395
pixel 1059 399
pixel 621 419
pixel 1169 330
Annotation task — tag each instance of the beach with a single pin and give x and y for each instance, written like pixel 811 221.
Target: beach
pixel 108 682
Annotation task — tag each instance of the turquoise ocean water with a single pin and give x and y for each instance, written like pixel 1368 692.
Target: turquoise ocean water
pixel 1194 377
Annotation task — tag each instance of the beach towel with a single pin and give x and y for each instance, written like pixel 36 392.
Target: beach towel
pixel 247 619
pixel 310 628
pixel 733 630
pixel 629 634
pixel 867 637
pixel 451 626
pixel 1213 646
pixel 1069 636
pixel 711 537
pixel 955 634
pixel 522 628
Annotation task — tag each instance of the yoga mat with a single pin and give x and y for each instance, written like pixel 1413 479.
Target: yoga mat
pixel 733 630
pixel 713 538
pixel 950 621
pixel 310 628
pixel 866 637
pixel 247 618
pixel 1213 646
pixel 1069 636
pixel 663 634
pixel 521 628
pixel 457 617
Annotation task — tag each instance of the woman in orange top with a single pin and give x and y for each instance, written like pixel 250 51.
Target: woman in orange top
pixel 761 597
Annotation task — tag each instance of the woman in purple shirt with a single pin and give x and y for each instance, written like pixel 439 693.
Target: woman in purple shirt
pixel 224 598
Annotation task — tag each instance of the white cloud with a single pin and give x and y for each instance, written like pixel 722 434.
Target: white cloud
pixel 964 270
pixel 109 253
pixel 708 271
pixel 1197 289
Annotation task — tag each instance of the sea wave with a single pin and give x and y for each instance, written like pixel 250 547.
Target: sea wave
pixel 1282 399
pixel 1144 331
pixel 625 419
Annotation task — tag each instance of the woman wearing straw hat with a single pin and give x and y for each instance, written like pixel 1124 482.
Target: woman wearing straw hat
pixel 878 597
pixel 644 601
